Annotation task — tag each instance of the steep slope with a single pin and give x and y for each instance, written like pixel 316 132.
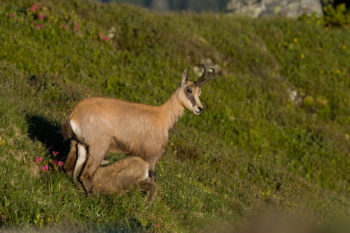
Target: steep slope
pixel 274 133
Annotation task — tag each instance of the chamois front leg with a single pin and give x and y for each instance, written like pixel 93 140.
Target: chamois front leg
pixel 152 161
pixel 152 170
pixel 97 152
pixel 71 159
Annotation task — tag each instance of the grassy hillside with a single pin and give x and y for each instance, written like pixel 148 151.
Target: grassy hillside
pixel 274 133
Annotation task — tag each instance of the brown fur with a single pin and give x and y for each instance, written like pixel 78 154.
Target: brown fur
pixel 126 173
pixel 106 124
pixel 71 158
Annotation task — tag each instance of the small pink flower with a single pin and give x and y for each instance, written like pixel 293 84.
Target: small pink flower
pixel 45 168
pixel 33 7
pixel 11 15
pixel 38 159
pixel 19 20
pixel 38 26
pixel 60 163
pixel 65 26
pixel 41 16
pixel 102 36
pixel 76 27
pixel 55 153
pixel 53 161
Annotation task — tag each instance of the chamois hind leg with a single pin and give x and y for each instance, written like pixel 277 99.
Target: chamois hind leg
pixel 71 159
pixel 151 188
pixel 82 156
pixel 97 152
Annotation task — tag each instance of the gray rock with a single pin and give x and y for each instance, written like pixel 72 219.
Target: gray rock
pixel 288 8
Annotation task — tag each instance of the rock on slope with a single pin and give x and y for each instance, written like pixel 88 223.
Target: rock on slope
pixel 289 8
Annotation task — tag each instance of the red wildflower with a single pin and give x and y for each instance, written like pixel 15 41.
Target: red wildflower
pixel 45 168
pixel 38 159
pixel 33 7
pixel 38 26
pixel 102 36
pixel 11 15
pixel 76 27
pixel 55 153
pixel 65 26
pixel 41 16
pixel 54 161
pixel 60 163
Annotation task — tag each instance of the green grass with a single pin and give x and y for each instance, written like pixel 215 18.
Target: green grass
pixel 252 148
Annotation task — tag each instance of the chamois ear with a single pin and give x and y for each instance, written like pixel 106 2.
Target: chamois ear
pixel 184 77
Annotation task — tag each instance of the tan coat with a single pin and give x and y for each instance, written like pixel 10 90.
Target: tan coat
pixel 124 174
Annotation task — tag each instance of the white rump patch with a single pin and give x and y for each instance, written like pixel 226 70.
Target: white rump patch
pixel 75 128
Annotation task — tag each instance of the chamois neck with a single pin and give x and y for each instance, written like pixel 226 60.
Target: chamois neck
pixel 172 110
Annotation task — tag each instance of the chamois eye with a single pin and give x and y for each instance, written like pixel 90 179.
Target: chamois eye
pixel 188 90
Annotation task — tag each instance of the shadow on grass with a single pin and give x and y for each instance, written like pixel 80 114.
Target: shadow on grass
pixel 133 226
pixel 49 134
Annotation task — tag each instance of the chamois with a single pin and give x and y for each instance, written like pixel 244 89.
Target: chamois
pixel 124 174
pixel 98 125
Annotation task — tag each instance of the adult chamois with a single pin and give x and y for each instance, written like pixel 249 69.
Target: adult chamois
pixel 98 125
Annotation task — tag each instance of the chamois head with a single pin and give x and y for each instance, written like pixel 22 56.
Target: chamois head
pixel 190 91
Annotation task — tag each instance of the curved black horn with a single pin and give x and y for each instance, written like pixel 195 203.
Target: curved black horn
pixel 203 78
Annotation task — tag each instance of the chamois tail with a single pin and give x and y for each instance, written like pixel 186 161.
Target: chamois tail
pixel 66 129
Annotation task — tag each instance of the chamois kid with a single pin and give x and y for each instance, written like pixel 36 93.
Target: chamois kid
pixel 98 125
pixel 126 173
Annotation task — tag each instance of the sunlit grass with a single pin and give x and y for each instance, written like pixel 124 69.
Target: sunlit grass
pixel 275 130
